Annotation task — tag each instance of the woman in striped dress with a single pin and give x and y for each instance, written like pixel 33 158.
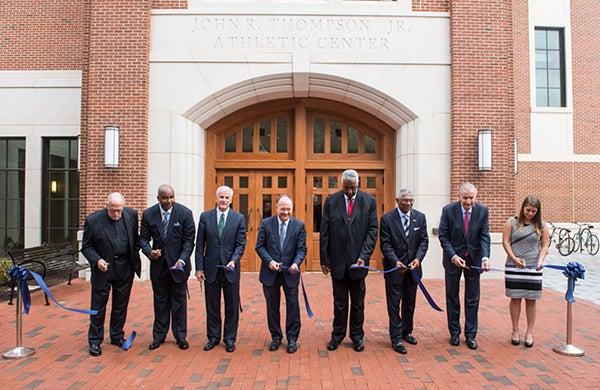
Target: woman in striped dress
pixel 525 240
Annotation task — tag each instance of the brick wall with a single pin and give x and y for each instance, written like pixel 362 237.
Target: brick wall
pixel 430 5
pixel 41 35
pixel 169 4
pixel 482 98
pixel 115 92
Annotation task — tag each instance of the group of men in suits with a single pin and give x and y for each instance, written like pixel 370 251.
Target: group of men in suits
pixel 348 235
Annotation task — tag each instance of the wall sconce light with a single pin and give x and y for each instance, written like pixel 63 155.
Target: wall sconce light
pixel 53 186
pixel 485 150
pixel 111 146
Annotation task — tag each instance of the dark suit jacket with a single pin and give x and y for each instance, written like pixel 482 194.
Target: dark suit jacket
pixel 396 247
pixel 178 244
pixel 294 249
pixel 98 241
pixel 343 242
pixel 453 239
pixel 212 250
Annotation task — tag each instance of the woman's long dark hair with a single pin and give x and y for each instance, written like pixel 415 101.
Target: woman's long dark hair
pixel 532 201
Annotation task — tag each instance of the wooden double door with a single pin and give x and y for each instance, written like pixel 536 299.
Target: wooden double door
pixel 256 191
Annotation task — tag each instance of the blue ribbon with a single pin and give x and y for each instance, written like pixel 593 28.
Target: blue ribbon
pixel 177 267
pixel 416 278
pixel 572 271
pixel 20 273
pixel 308 309
pixel 129 341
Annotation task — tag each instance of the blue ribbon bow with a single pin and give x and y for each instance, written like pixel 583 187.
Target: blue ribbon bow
pixel 18 273
pixel 572 271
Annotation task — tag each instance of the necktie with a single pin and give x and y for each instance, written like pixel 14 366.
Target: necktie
pixel 350 206
pixel 467 219
pixel 165 223
pixel 281 234
pixel 221 224
pixel 405 223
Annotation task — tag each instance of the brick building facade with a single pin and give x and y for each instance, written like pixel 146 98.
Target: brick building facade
pixel 119 62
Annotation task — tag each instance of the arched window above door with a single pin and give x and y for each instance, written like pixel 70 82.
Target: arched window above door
pixel 335 137
pixel 268 136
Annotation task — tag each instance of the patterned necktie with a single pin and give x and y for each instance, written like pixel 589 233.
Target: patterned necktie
pixel 165 223
pixel 350 206
pixel 281 234
pixel 221 224
pixel 405 223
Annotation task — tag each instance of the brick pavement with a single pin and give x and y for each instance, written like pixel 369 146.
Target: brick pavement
pixel 62 361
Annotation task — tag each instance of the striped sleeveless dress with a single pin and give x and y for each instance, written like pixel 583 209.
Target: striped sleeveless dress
pixel 523 282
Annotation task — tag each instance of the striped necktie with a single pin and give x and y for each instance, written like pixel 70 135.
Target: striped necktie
pixel 405 222
pixel 165 223
pixel 221 225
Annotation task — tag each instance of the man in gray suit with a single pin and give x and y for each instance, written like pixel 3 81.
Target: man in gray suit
pixel 170 226
pixel 404 241
pixel 347 237
pixel 465 239
pixel 281 245
pixel 220 244
pixel 110 245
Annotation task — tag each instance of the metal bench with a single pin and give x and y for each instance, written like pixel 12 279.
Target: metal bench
pixel 52 262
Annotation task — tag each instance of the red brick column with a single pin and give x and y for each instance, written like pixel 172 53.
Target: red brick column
pixel 115 92
pixel 482 98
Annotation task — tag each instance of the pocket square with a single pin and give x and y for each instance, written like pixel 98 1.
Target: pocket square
pixel 176 224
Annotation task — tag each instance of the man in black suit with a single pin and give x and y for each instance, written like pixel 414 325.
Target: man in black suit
pixel 347 237
pixel 404 242
pixel 281 243
pixel 170 226
pixel 110 245
pixel 220 244
pixel 465 239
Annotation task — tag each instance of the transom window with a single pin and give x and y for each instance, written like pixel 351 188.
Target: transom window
pixel 263 137
pixel 336 137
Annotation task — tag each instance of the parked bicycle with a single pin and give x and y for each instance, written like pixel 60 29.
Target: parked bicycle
pixel 585 238
pixel 560 236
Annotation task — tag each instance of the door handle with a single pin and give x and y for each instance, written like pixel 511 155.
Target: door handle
pixel 259 215
pixel 248 225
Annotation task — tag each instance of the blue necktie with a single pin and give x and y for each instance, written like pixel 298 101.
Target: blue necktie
pixel 165 223
pixel 281 235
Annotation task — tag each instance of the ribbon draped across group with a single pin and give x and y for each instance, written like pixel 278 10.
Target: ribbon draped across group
pixel 415 278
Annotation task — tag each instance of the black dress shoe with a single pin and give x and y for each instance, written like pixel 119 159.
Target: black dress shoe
pixel 529 344
pixel 274 345
pixel 332 345
pixel 471 343
pixel 454 340
pixel 409 338
pixel 183 344
pixel 95 350
pixel 359 346
pixel 210 345
pixel 229 347
pixel 292 347
pixel 155 344
pixel 119 343
pixel 399 347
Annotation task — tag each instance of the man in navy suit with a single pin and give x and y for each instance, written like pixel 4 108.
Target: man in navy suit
pixel 404 242
pixel 281 243
pixel 348 236
pixel 220 244
pixel 170 226
pixel 110 245
pixel 465 239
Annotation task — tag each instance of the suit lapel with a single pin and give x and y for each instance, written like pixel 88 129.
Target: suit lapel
pixel 108 228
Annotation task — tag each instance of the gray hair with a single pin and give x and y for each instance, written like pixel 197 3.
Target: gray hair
pixel 226 189
pixel 404 191
pixel 466 186
pixel 115 197
pixel 350 174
